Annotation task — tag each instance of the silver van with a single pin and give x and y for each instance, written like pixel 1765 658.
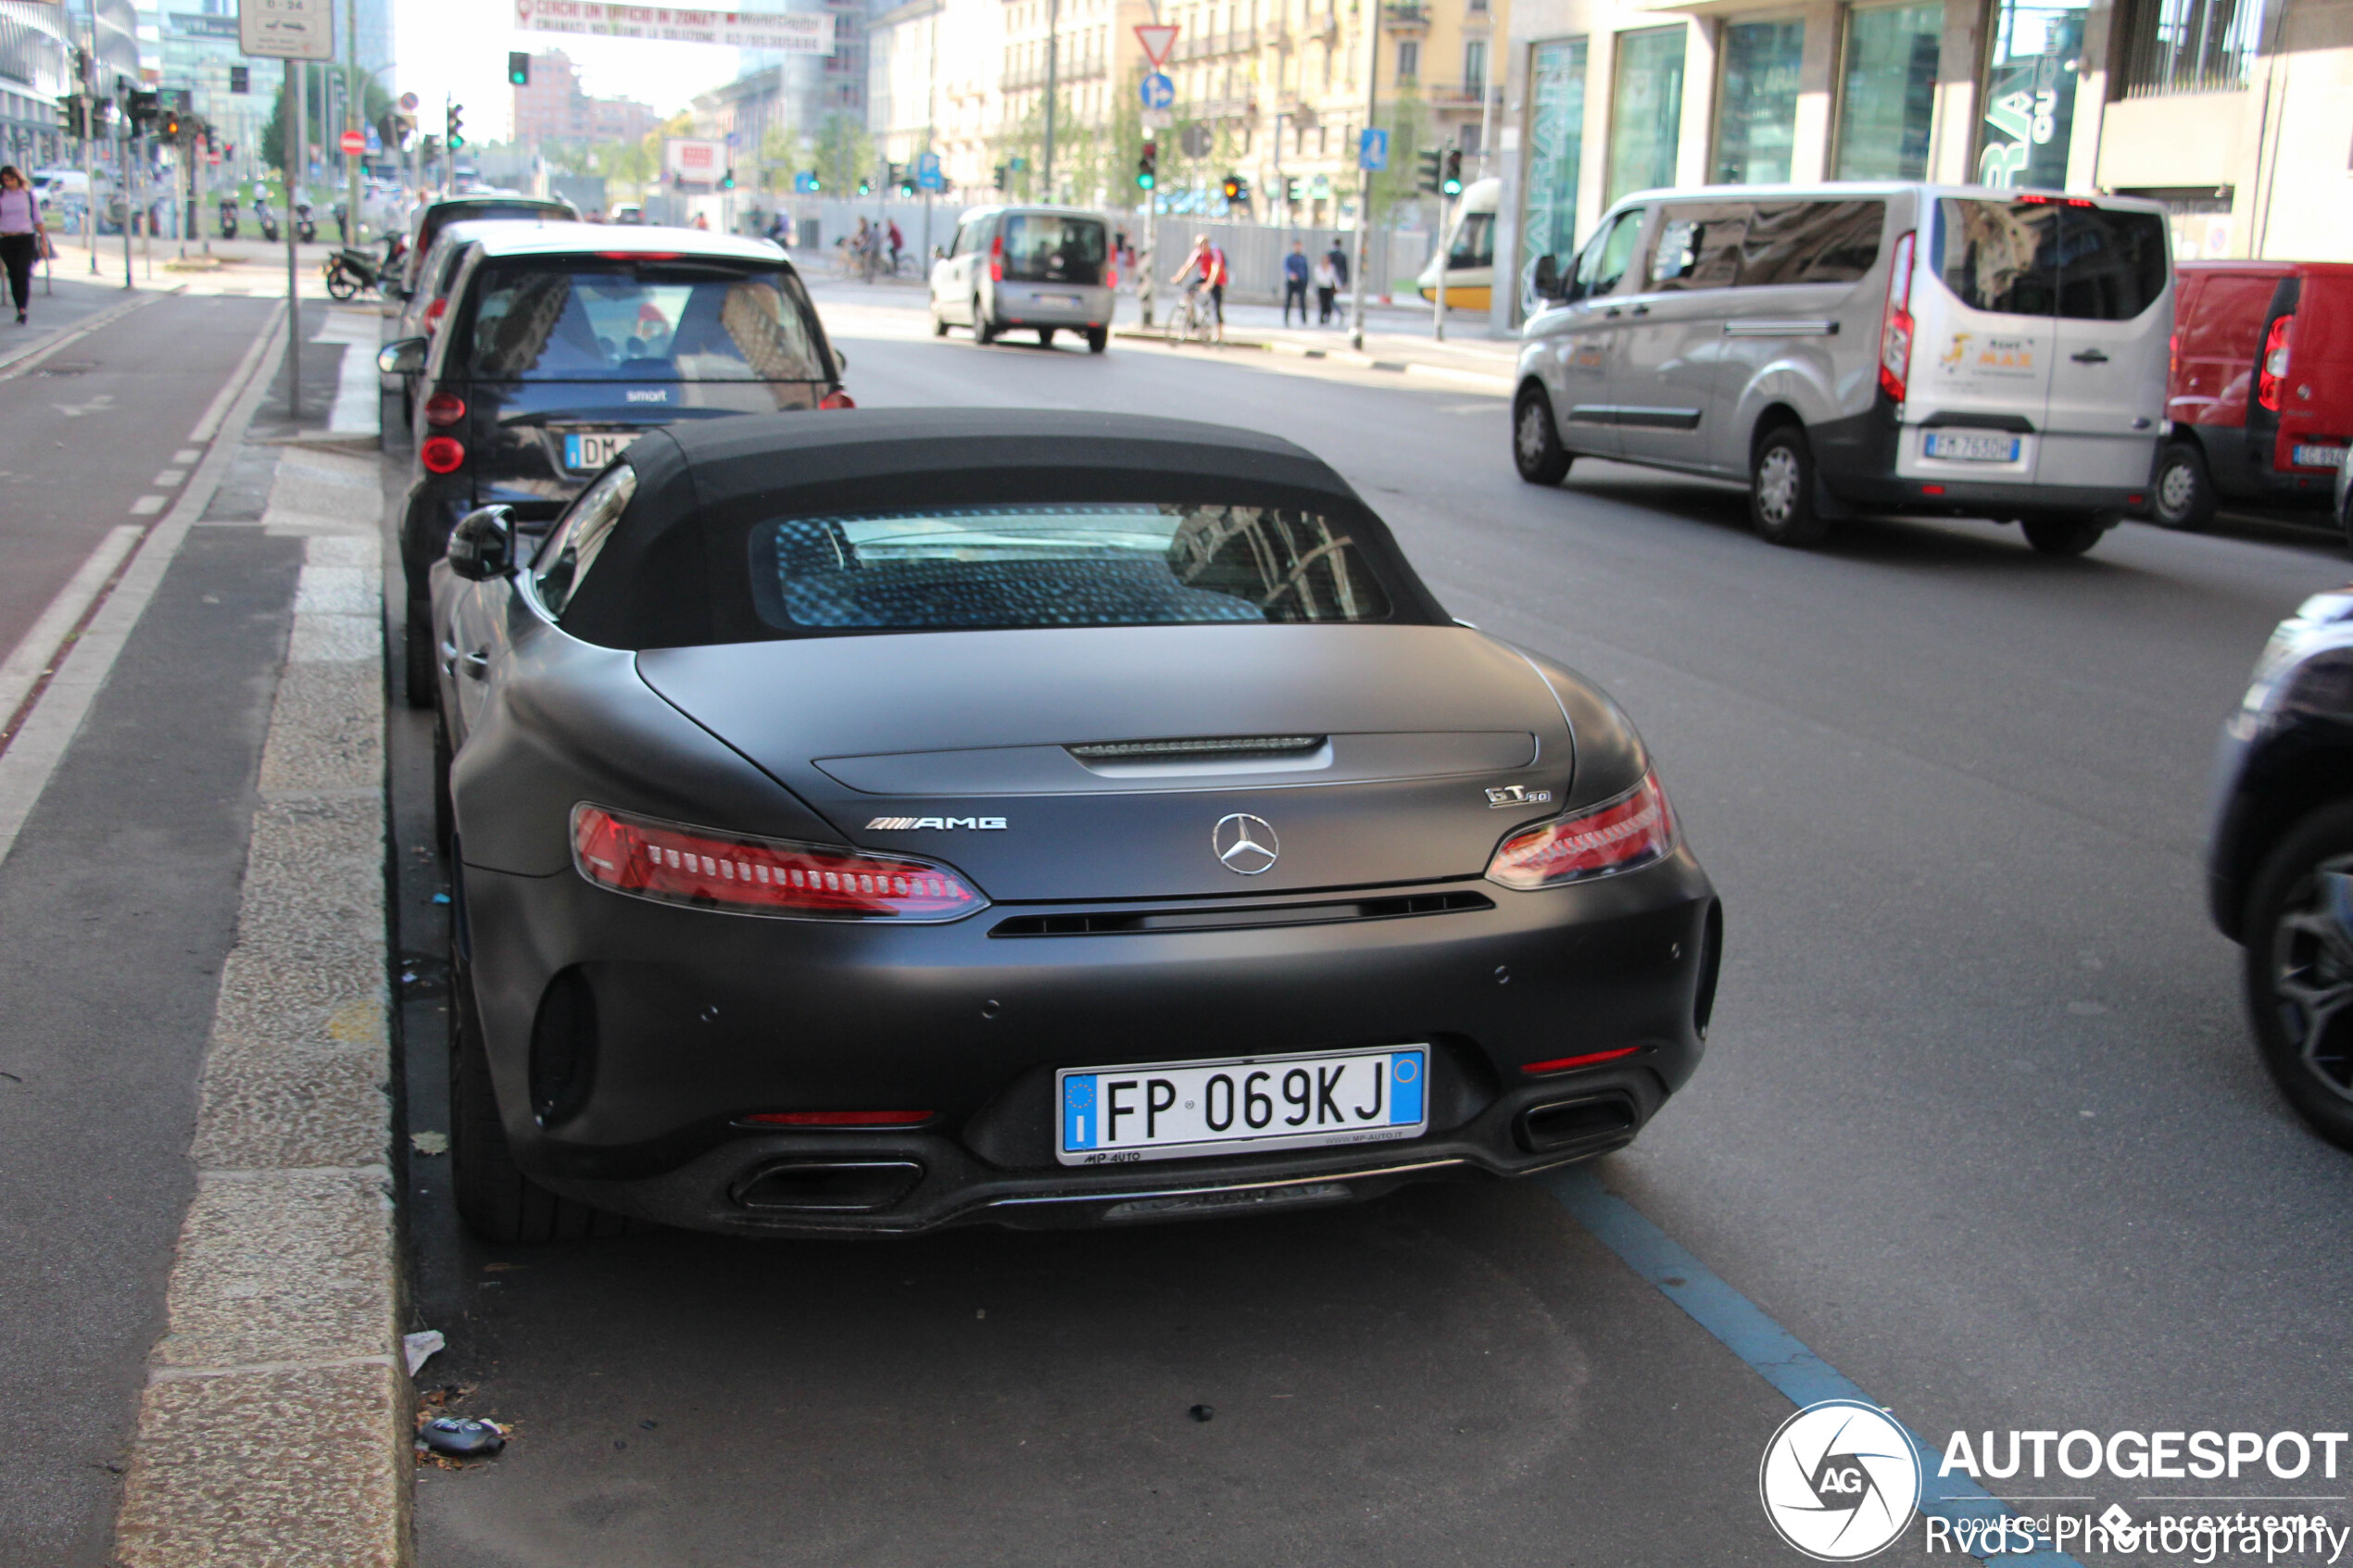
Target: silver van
pixel 1047 268
pixel 1848 349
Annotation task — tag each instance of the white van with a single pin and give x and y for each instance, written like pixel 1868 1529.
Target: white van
pixel 1859 348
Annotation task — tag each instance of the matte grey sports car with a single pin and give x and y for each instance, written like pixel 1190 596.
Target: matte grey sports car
pixel 910 817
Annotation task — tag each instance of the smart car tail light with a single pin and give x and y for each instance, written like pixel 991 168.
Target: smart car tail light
pixel 837 398
pixel 1633 830
pixel 1895 324
pixel 2268 387
pixel 703 868
pixel 441 454
pixel 444 409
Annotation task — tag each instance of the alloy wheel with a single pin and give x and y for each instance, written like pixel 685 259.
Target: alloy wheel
pixel 2175 487
pixel 1777 480
pixel 1531 432
pixel 2312 974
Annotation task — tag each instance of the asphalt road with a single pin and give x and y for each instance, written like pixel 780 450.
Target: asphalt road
pixel 1980 1122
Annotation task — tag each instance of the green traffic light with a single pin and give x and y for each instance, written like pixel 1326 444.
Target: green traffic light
pixel 1146 180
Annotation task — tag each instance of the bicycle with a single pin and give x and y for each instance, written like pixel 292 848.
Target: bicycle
pixel 1191 320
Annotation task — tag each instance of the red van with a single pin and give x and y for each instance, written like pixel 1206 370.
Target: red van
pixel 2261 390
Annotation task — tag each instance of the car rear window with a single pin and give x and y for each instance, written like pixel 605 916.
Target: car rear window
pixel 1042 247
pixel 1108 564
pixel 642 321
pixel 2046 257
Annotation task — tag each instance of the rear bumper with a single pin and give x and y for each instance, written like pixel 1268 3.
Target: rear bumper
pixel 1960 498
pixel 702 1019
pixel 1013 306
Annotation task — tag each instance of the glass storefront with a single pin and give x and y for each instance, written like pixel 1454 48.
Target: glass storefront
pixel 1757 106
pixel 1646 110
pixel 1556 148
pixel 2033 67
pixel 1887 104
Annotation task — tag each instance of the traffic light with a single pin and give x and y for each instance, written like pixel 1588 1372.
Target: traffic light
pixel 143 108
pixel 69 114
pixel 900 181
pixel 727 180
pixel 1001 176
pixel 429 149
pixel 1148 167
pixel 865 186
pixel 1453 186
pixel 517 69
pixel 1431 162
pixel 1235 189
pixel 169 124
pixel 240 78
pixel 456 137
pixel 1291 190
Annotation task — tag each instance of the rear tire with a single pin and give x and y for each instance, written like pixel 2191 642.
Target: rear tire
pixel 1045 337
pixel 1098 339
pixel 1780 490
pixel 2300 964
pixel 2064 533
pixel 422 692
pixel 984 330
pixel 939 324
pixel 1535 440
pixel 2183 496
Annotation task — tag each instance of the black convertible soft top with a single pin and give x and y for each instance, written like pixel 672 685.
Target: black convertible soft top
pixel 666 577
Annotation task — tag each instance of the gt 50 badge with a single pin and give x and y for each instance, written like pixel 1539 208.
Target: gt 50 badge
pixel 944 824
pixel 1516 794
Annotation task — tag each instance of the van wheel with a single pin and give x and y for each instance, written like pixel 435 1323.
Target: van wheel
pixel 1098 339
pixel 2064 533
pixel 2184 492
pixel 1045 337
pixel 1536 441
pixel 939 324
pixel 1780 491
pixel 984 330
pixel 2299 969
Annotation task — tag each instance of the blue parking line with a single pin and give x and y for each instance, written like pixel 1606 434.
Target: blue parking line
pixel 1772 1351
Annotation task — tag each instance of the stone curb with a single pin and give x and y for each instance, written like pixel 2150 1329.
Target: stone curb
pixel 274 1427
pixel 1476 380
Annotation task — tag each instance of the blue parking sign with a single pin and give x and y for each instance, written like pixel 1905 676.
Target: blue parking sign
pixel 927 175
pixel 1372 150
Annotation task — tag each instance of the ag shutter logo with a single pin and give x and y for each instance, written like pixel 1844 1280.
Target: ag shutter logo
pixel 1840 1481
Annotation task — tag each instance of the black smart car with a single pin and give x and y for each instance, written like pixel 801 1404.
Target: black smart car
pixel 2279 864
pixel 560 343
pixel 910 818
pixel 433 217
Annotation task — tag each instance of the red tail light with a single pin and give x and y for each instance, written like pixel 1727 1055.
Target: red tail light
pixel 842 1117
pixel 432 313
pixel 441 454
pixel 997 259
pixel 2269 385
pixel 1895 324
pixel 1633 830
pixel 1570 1063
pixel 444 409
pixel 1110 277
pixel 2173 359
pixel 837 398
pixel 705 870
pixel 638 255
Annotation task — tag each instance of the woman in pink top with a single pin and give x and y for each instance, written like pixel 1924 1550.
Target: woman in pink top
pixel 22 237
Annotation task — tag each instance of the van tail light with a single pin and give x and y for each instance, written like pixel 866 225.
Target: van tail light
pixel 2268 385
pixel 432 313
pixel 2173 359
pixel 1110 277
pixel 444 409
pixel 1619 836
pixel 441 454
pixel 707 869
pixel 997 259
pixel 837 398
pixel 1895 324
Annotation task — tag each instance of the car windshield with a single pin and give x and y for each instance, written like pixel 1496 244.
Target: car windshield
pixel 651 322
pixel 1041 247
pixel 1105 564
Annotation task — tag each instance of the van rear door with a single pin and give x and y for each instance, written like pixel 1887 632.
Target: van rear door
pixel 1985 332
pixel 2115 321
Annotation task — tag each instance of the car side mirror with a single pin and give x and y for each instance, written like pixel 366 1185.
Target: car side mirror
pixel 841 364
pixel 1548 277
pixel 939 253
pixel 483 545
pixel 402 357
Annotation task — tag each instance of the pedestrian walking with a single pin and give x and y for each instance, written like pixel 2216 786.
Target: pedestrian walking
pixel 1339 259
pixel 898 244
pixel 1327 289
pixel 1295 281
pixel 23 236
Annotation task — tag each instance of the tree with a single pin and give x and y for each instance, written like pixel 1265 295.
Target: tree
pixel 843 155
pixel 375 102
pixel 1406 118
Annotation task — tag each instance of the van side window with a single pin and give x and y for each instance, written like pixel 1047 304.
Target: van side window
pixel 1698 247
pixel 2112 265
pixel 1812 243
pixel 1607 258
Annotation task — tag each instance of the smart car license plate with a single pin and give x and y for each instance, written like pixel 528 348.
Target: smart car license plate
pixel 594 448
pixel 1972 448
pixel 1178 1110
pixel 2316 457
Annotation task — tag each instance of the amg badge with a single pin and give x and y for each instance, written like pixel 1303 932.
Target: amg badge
pixel 1516 794
pixel 944 824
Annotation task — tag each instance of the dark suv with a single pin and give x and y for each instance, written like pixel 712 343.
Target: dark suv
pixel 2280 866
pixel 560 343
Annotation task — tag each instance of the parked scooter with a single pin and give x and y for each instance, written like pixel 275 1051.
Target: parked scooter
pixel 349 269
pixel 267 219
pixel 304 230
pixel 228 218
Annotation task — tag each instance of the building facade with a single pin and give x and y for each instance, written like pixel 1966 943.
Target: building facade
pixel 553 107
pixel 36 68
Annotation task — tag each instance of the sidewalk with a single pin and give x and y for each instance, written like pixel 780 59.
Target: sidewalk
pixel 1396 338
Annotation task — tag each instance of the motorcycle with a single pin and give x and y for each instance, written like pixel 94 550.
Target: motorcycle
pixel 267 219
pixel 304 230
pixel 229 217
pixel 349 269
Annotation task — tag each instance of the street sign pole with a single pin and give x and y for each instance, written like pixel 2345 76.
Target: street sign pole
pixel 1439 332
pixel 1364 183
pixel 294 302
pixel 1158 38
pixel 354 114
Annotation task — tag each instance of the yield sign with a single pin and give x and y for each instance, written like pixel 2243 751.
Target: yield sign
pixel 1157 38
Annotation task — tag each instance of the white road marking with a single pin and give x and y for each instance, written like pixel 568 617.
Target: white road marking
pixel 147 506
pixel 355 387
pixel 186 456
pixel 100 403
pixel 169 479
pixel 106 318
pixel 37 653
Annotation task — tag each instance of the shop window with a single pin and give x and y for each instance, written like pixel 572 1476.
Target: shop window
pixel 1646 110
pixel 2031 70
pixel 1757 117
pixel 1555 149
pixel 1887 104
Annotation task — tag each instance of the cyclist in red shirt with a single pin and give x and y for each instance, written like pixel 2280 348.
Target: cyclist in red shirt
pixel 1210 262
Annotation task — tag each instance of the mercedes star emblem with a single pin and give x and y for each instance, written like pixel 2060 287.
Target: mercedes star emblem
pixel 1245 844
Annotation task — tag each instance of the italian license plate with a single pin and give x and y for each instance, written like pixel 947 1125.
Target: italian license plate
pixel 1972 448
pixel 594 448
pixel 2317 456
pixel 1178 1110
